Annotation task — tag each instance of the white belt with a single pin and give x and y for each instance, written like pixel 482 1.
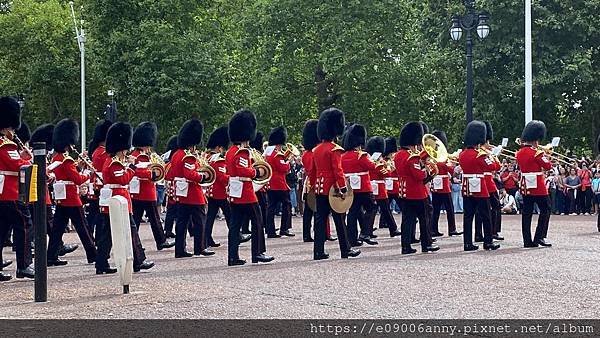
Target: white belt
pixel 440 176
pixel 357 174
pixel 535 173
pixel 473 175
pixel 241 179
pixel 392 178
pixel 378 181
pixel 9 173
pixel 66 182
pixel 116 186
pixel 488 174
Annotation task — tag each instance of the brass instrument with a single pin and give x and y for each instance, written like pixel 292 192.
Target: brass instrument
pixel 86 162
pixel 453 157
pixel 157 167
pixel 291 151
pixel 436 151
pixel 339 202
pixel 309 196
pixel 260 163
pixel 549 150
pixel 210 175
pixel 22 145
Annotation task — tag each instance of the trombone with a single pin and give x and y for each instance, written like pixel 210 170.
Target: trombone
pixel 549 150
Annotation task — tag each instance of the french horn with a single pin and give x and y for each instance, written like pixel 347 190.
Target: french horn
pixel 260 163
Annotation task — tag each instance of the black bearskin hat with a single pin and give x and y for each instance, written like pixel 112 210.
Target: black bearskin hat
pixel 310 139
pixel 66 133
pixel 118 138
pixel 411 134
pixel 355 136
pixel 218 138
pixel 376 144
pixel 390 146
pixel 277 136
pixel 331 124
pixel 99 135
pixel 489 131
pixel 534 131
pixel 425 127
pixel 242 126
pixel 145 135
pixel 23 133
pixel 43 133
pixel 172 143
pixel 10 113
pixel 442 136
pixel 257 142
pixel 474 133
pixel 190 134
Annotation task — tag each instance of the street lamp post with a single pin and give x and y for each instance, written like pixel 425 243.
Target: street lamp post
pixel 467 23
pixel 81 43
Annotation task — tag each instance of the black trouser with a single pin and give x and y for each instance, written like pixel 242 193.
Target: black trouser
pixel 428 218
pixel 572 202
pixel 585 201
pixel 187 213
pixel 170 217
pixel 240 214
pixel 495 216
pixel 322 214
pixel 541 231
pixel 263 203
pixel 385 215
pixel 391 197
pixel 277 197
pixel 360 211
pixel 104 242
pixel 151 210
pixel 93 215
pixel 480 206
pixel 438 200
pixel 411 210
pixel 13 217
pixel 307 219
pixel 213 208
pixel 61 220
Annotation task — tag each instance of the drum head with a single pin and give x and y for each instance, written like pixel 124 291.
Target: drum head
pixel 340 203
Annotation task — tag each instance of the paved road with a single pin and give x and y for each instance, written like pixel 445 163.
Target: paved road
pixel 512 282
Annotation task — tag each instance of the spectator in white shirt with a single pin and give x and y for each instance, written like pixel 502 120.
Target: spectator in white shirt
pixel 508 203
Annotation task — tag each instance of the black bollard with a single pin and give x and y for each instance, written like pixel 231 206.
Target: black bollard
pixel 39 223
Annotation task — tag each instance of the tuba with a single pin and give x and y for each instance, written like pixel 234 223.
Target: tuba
pixel 259 162
pixel 157 167
pixel 436 153
pixel 210 175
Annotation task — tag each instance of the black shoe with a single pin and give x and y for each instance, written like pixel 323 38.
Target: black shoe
pixel 144 266
pixel 542 242
pixel 204 252
pixel 262 258
pixel 185 254
pixel 234 262
pixel 395 234
pixel 408 251
pixel 478 239
pixel 5 277
pixel 498 237
pixel 433 240
pixel 351 253
pixel 332 238
pixel 245 238
pixel 108 271
pixel 167 244
pixel 91 260
pixel 308 240
pixel 437 234
pixel 169 235
pixel 287 234
pixel 373 236
pixel 273 236
pixel 455 233
pixel 471 247
pixel 530 245
pixel 491 246
pixel 28 272
pixel 431 248
pixel 215 244
pixel 6 263
pixel 356 244
pixel 415 241
pixel 57 262
pixel 369 241
pixel 320 256
pixel 66 249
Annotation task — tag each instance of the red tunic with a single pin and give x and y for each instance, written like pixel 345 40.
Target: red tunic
pixel 327 169
pixel 239 167
pixel 147 190
pixel 444 173
pixel 378 178
pixel 184 168
pixel 10 165
pixel 474 163
pixel 281 167
pixel 410 175
pixel 66 172
pixel 308 164
pixel 358 163
pixel 533 162
pixel 117 176
pixel 218 190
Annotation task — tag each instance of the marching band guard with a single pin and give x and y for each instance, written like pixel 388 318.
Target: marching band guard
pixel 66 194
pixel 474 163
pixel 413 191
pixel 117 172
pixel 327 172
pixel 99 155
pixel 260 190
pixel 171 214
pixel 392 185
pixel 441 195
pixel 11 162
pixel 533 162
pixel 185 166
pixel 495 208
pixel 376 149
pixel 278 191
pixel 218 142
pixel 309 141
pixel 142 187
pixel 242 198
pixel 357 166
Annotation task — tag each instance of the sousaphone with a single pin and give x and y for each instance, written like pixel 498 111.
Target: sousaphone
pixel 339 202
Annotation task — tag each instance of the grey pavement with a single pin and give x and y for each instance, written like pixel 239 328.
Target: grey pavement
pixel 513 282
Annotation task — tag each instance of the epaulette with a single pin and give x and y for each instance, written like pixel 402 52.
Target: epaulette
pixel 362 153
pixel 412 154
pixel 241 149
pixel 539 152
pixel 68 158
pixel 337 147
pixel 281 153
pixel 5 142
pixel 481 152
pixel 116 161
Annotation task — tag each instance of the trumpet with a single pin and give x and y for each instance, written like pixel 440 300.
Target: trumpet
pixel 291 151
pixel 86 162
pixel 205 169
pixel 260 163
pixel 157 166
